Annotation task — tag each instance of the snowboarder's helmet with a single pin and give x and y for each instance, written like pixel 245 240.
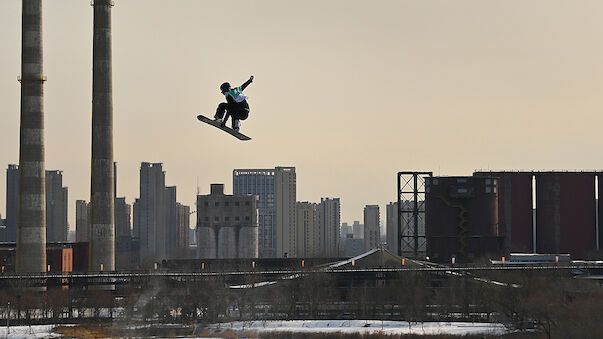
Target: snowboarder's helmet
pixel 225 87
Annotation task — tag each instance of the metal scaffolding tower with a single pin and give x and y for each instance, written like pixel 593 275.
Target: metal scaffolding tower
pixel 411 213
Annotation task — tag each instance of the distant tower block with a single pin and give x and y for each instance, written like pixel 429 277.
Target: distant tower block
pixel 31 235
pixel 102 230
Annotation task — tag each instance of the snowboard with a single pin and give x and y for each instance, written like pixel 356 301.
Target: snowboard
pixel 228 130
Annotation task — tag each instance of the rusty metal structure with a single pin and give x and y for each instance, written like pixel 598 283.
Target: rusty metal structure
pixel 566 218
pixel 515 200
pixel 411 213
pixel 462 218
pixel 565 213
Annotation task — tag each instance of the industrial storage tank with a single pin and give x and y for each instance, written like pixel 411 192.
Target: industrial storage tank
pixel 565 213
pixel 227 225
pixel 515 210
pixel 461 218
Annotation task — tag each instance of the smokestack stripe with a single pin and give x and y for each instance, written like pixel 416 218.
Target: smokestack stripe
pixel 102 229
pixel 31 234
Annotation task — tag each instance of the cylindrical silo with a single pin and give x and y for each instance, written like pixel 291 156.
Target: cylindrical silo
pixel 102 230
pixel 31 233
pixel 565 213
pixel 461 217
pixel 248 241
pixel 226 242
pixel 515 211
pixel 206 241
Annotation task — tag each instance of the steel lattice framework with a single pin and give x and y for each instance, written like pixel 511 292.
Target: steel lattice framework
pixel 411 213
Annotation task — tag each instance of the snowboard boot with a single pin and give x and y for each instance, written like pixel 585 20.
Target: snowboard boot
pixel 236 125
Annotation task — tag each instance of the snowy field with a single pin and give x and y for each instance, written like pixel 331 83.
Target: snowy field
pixel 28 332
pixel 360 326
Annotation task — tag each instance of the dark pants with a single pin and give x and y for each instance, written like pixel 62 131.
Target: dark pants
pixel 238 111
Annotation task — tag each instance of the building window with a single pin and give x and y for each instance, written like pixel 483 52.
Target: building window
pixel 237 203
pixel 216 204
pixel 206 203
pixel 246 203
pixel 227 204
pixel 226 218
pixel 247 218
pixel 216 218
pixel 237 218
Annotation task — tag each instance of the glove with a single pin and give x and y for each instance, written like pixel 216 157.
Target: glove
pixel 251 78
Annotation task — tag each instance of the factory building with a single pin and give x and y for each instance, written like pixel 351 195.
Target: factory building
pixel 461 219
pixel 227 225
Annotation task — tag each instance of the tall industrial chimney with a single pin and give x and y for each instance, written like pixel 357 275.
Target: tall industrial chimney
pixel 31 234
pixel 102 230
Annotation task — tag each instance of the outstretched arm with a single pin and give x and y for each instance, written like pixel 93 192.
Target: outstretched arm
pixel 244 85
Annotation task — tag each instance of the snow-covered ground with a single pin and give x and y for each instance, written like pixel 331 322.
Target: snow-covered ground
pixel 360 326
pixel 28 332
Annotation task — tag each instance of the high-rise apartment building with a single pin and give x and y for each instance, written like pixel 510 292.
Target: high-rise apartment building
pixel 372 232
pixel 345 230
pixel 149 213
pixel 329 224
pixel 276 189
pixel 123 218
pixel 358 230
pixel 307 230
pixel 227 225
pixel 12 202
pixel 391 228
pixel 182 230
pixel 171 219
pixel 57 226
pixel 285 196
pixel 82 221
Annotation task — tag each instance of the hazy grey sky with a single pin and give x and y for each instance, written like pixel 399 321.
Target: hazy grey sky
pixel 349 92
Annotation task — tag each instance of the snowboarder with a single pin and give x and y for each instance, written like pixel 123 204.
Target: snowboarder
pixel 236 105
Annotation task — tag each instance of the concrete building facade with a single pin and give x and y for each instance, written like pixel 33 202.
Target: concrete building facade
pixel 171 219
pixel 391 227
pixel 82 221
pixel 276 189
pixel 307 230
pixel 329 226
pixel 12 203
pixel 149 213
pixel 358 230
pixel 227 225
pixel 123 218
pixel 182 230
pixel 57 226
pixel 353 246
pixel 371 227
pixel 260 182
pixel 285 196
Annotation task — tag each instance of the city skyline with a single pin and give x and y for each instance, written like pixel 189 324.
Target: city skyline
pixel 519 92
